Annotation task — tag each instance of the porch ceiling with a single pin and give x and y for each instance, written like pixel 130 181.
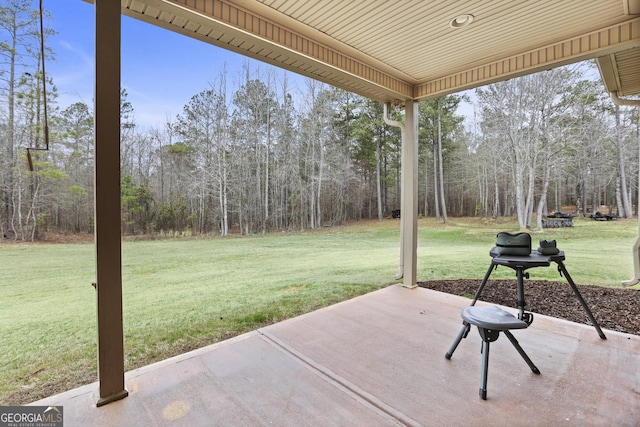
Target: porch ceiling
pixel 620 71
pixel 407 49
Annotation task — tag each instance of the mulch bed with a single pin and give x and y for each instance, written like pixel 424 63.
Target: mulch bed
pixel 616 309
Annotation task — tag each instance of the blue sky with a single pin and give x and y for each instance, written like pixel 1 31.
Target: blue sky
pixel 161 70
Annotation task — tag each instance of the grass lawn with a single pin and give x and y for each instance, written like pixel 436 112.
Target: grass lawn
pixel 183 294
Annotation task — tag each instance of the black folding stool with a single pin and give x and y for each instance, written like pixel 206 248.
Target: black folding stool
pixel 490 321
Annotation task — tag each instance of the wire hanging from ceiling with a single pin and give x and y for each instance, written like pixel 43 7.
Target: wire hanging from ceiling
pixel 45 118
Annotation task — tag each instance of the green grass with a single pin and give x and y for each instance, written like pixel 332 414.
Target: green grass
pixel 183 294
pixel 597 252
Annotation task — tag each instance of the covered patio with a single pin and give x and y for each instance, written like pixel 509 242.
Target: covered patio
pixel 378 359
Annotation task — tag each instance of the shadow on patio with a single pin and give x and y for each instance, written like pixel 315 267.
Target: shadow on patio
pixel 379 360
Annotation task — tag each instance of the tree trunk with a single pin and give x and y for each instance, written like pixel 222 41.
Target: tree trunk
pixel 621 166
pixel 435 181
pixel 496 190
pixel 9 205
pixel 426 190
pixel 619 202
pixel 378 181
pixel 546 173
pixel 320 179
pixel 441 167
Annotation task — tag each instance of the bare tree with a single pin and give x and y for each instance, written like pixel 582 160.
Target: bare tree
pixel 624 205
pixel 551 107
pixel 440 165
pixel 507 107
pixel 18 42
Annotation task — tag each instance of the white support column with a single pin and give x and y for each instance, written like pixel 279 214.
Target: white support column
pixel 387 119
pixel 107 203
pixel 409 210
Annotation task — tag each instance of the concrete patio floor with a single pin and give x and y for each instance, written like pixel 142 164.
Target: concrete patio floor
pixel 378 360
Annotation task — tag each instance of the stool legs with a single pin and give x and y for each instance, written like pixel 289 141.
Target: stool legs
pixel 485 370
pixel 464 331
pixel 515 343
pixel 489 336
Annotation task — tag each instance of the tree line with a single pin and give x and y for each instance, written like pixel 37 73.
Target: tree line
pixel 259 156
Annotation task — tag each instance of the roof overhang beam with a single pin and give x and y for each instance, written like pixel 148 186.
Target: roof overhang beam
pixel 606 41
pixel 255 30
pixel 240 30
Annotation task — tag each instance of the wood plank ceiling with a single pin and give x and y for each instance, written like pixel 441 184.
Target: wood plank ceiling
pixel 406 49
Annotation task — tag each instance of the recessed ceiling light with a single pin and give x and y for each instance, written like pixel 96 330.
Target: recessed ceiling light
pixel 461 21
